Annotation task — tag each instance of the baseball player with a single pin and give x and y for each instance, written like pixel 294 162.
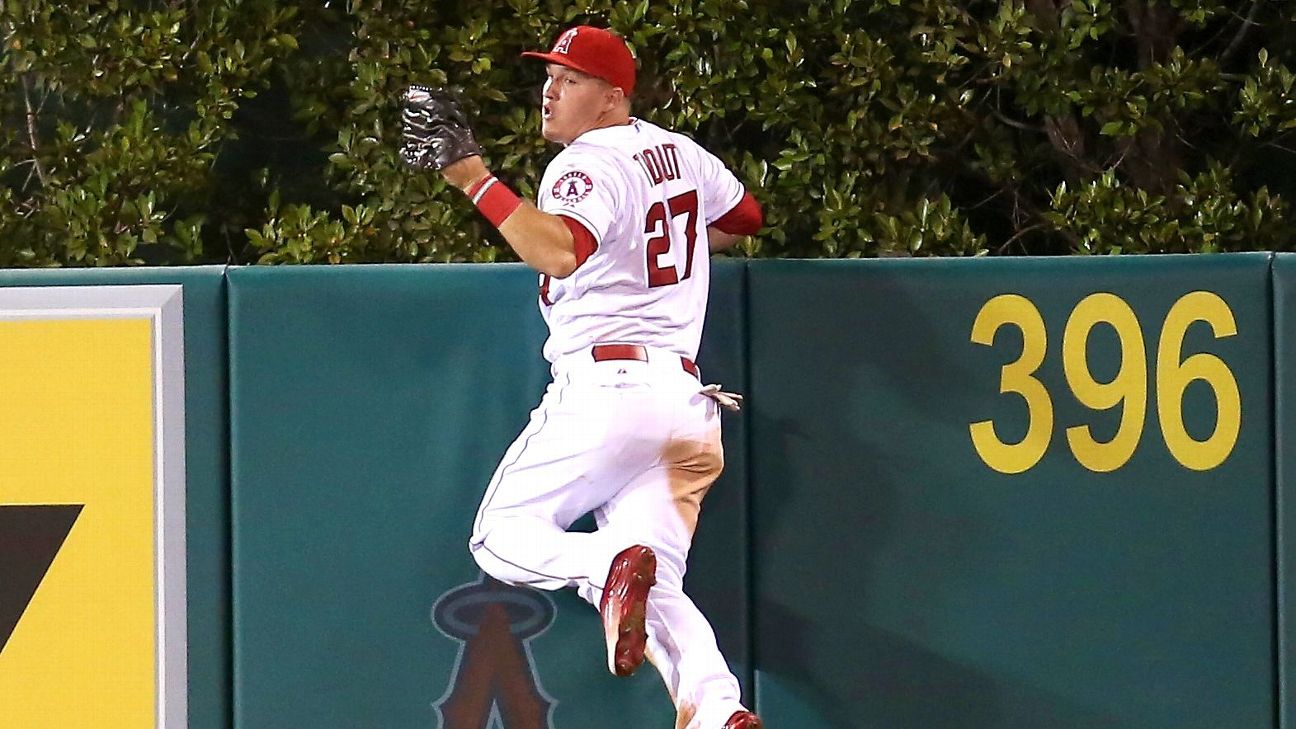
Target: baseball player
pixel 626 217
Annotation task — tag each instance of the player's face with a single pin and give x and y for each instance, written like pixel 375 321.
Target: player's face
pixel 573 103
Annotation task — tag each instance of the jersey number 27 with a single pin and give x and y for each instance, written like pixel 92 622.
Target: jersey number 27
pixel 659 225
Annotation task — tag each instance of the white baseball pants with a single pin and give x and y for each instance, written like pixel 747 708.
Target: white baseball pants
pixel 636 443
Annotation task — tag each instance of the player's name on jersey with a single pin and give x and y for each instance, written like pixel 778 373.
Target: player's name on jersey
pixel 660 163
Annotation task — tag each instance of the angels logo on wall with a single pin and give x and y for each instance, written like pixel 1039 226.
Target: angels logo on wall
pixel 494 684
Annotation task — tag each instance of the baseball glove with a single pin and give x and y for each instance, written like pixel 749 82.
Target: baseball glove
pixel 435 131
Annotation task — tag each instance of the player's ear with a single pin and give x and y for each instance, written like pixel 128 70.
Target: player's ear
pixel 616 97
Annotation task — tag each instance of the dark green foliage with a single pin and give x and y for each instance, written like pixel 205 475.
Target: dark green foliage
pixel 113 120
pixel 134 131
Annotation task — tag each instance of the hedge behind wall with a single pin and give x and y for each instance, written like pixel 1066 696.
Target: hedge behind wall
pixel 243 131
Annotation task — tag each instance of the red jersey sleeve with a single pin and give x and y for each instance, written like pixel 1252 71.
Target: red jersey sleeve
pixel 585 243
pixel 745 218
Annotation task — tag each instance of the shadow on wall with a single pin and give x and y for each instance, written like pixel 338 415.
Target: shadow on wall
pixel 835 470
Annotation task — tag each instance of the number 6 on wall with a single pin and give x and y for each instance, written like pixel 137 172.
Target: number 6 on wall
pixel 1173 377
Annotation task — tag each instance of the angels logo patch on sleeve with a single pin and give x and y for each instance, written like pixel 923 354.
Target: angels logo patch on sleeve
pixel 572 187
pixel 583 188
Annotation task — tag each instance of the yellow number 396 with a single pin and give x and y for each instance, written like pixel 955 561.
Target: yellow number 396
pixel 1128 388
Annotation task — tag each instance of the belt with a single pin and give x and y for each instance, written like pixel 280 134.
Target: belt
pixel 604 352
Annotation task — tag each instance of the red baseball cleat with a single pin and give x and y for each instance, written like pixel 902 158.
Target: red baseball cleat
pixel 624 604
pixel 743 720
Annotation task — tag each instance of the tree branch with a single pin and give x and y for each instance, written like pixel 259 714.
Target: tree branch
pixel 1247 23
pixel 1156 29
pixel 32 142
pixel 1016 124
pixel 1276 145
pixel 1021 233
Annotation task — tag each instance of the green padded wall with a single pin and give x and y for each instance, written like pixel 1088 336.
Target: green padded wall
pixel 207 466
pixel 900 581
pixel 369 407
pixel 1284 372
pixel 864 565
pixel 718 579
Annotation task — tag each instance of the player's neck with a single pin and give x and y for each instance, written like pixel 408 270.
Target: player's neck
pixel 615 119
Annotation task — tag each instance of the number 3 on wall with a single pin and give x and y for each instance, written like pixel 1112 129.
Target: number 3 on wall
pixel 1017 377
pixel 1128 388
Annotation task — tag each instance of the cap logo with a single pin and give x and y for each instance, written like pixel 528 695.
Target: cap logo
pixel 563 44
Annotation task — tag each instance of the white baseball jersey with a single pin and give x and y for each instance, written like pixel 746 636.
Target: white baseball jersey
pixel 647 195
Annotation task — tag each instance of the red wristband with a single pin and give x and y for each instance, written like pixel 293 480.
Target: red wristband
pixel 493 198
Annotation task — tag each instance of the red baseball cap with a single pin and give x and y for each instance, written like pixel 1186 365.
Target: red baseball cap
pixel 596 51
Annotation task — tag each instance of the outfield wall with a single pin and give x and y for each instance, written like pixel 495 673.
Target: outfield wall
pixel 964 493
pixel 995 565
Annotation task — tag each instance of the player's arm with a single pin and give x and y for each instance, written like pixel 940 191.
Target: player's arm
pixel 545 242
pixel 732 211
pixel 720 240
pixel 746 218
pixel 436 135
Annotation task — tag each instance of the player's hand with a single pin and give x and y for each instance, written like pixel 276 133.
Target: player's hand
pixel 466 172
pixel 435 132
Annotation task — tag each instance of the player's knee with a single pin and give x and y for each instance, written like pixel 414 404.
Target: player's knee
pixel 489 562
pixel 487 521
